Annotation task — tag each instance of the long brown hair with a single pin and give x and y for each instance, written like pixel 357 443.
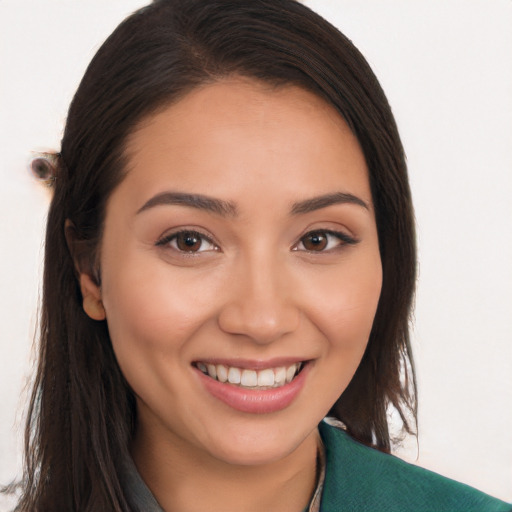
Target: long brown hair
pixel 82 412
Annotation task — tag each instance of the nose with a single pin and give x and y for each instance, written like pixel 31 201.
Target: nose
pixel 261 305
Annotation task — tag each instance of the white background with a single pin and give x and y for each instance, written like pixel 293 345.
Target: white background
pixel 446 67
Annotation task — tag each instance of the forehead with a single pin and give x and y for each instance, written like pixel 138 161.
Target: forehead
pixel 242 133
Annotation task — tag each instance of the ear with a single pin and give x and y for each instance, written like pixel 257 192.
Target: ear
pixel 89 286
pixel 91 294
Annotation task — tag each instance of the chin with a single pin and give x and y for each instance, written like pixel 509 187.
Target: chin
pixel 257 445
pixel 256 455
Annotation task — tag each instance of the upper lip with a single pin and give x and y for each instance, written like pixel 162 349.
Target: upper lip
pixel 253 364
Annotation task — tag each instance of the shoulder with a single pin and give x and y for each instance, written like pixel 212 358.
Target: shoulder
pixel 359 478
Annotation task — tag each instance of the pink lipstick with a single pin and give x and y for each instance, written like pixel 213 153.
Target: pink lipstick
pixel 259 391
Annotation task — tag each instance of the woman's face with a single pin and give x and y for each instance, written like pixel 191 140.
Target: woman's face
pixel 241 245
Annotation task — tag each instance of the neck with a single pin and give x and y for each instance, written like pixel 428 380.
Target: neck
pixel 183 478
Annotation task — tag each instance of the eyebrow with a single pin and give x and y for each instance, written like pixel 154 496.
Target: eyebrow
pixel 209 204
pixel 317 203
pixel 227 208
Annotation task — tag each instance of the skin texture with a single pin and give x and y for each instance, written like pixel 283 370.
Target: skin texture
pixel 252 291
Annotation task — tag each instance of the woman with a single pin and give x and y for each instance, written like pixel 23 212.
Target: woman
pixel 229 258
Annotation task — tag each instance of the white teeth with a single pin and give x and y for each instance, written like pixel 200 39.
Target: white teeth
pixel 290 372
pixel 212 371
pixel 264 379
pixel 280 375
pixel 222 373
pixel 234 375
pixel 249 379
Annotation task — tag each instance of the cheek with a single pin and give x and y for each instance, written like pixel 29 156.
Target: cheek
pixel 345 305
pixel 152 315
pixel 344 313
pixel 151 309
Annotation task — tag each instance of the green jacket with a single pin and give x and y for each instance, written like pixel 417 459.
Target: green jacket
pixel 359 478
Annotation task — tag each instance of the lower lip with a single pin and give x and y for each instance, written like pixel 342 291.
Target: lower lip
pixel 252 400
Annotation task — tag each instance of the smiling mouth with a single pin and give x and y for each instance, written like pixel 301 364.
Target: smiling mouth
pixel 268 378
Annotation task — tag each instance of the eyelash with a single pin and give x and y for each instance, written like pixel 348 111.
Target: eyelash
pixel 173 237
pixel 343 239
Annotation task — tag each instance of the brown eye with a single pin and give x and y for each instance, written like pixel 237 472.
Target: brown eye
pixel 324 241
pixel 188 241
pixel 315 241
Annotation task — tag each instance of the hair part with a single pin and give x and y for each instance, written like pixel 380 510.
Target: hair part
pixel 82 412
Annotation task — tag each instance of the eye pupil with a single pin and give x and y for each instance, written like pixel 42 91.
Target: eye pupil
pixel 189 242
pixel 315 242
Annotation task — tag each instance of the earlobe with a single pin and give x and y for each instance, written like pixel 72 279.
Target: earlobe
pixel 91 294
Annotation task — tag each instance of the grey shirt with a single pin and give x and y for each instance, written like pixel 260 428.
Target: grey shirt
pixel 136 491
